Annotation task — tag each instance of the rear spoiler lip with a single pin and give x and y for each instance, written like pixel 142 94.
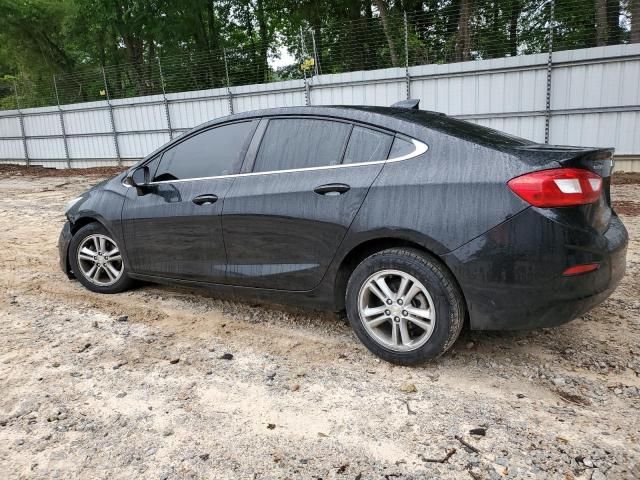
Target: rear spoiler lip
pixel 598 160
pixel 566 149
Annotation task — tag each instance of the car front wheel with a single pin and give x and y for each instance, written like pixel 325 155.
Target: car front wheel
pixel 404 306
pixel 96 260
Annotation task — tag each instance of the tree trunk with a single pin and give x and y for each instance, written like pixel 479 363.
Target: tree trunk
pixel 463 43
pixel 134 47
pixel 263 32
pixel 635 21
pixel 368 51
pixel 420 25
pixel 613 22
pixel 601 23
pixel 384 17
pixel 516 10
pixel 214 43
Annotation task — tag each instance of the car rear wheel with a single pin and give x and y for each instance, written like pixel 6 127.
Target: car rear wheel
pixel 96 260
pixel 404 306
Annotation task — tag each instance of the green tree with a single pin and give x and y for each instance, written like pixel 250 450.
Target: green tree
pixel 128 41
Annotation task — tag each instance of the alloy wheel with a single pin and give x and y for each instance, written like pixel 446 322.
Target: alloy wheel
pixel 397 310
pixel 99 260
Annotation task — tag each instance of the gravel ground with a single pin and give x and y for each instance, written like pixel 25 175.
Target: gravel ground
pixel 164 383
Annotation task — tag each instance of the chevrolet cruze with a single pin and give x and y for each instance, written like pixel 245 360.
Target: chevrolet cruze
pixel 411 221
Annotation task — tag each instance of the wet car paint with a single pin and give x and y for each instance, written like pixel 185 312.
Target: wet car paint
pixel 452 201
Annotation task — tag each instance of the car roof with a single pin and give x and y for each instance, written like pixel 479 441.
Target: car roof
pixel 367 114
pixel 402 120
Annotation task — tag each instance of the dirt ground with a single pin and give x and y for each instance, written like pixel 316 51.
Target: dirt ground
pixel 139 385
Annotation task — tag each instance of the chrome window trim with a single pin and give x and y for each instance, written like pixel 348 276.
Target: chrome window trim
pixel 420 148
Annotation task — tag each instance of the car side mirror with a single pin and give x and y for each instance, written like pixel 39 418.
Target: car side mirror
pixel 139 178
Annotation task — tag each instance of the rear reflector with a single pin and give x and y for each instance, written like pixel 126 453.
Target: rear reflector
pixel 578 269
pixel 558 187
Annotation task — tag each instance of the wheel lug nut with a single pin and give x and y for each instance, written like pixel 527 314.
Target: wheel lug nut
pixel 396 319
pixel 387 312
pixel 389 302
pixel 405 313
pixel 400 302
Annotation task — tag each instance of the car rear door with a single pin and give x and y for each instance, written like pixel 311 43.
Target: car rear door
pixel 174 230
pixel 283 221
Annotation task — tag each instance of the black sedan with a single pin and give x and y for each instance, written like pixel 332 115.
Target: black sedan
pixel 411 221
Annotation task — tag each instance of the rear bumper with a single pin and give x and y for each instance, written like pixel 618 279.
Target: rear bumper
pixel 512 275
pixel 63 248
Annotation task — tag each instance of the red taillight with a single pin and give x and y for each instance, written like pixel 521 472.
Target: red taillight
pixel 578 269
pixel 559 187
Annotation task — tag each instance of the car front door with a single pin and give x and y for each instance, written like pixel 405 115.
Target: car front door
pixel 174 228
pixel 284 221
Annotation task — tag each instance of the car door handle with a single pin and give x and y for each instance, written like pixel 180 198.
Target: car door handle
pixel 332 189
pixel 205 199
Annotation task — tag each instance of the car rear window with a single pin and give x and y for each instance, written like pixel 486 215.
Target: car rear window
pixel 291 143
pixel 401 147
pixel 463 129
pixel 367 145
pixel 214 152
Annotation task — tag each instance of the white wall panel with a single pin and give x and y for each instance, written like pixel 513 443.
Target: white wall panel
pixel 9 127
pixel 45 148
pixel 92 147
pixel 42 124
pixel 140 118
pixel 628 133
pixel 245 103
pixel 383 94
pixel 188 114
pixel 87 121
pixel 483 92
pixel 139 145
pixel 613 129
pixel 593 86
pixel 530 127
pixel 11 149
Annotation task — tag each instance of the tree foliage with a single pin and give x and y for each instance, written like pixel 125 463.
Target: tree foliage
pixel 116 48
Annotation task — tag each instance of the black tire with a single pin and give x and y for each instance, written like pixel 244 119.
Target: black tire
pixel 446 296
pixel 123 283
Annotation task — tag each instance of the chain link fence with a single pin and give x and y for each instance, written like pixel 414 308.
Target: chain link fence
pixel 449 32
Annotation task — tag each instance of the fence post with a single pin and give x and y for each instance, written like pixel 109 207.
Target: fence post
pixel 167 114
pixel 547 119
pixel 111 120
pixel 316 59
pixel 307 87
pixel 62 127
pixel 21 120
pixel 226 72
pixel 307 91
pixel 406 56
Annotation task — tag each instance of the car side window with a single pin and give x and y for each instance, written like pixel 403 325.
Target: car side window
pixel 152 164
pixel 214 152
pixel 367 145
pixel 401 147
pixel 290 143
